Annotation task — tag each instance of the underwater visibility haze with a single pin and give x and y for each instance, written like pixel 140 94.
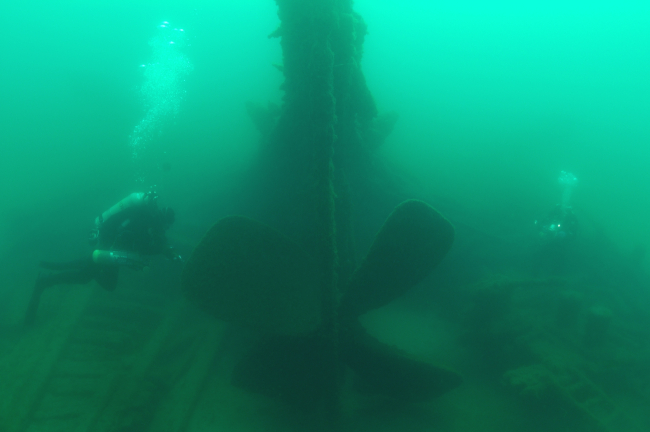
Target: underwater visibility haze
pixel 387 215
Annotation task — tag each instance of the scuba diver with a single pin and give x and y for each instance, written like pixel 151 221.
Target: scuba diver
pixel 561 223
pixel 124 235
pixel 557 229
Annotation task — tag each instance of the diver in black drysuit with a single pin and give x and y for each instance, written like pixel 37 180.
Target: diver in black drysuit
pixel 123 235
pixel 560 225
pixel 556 232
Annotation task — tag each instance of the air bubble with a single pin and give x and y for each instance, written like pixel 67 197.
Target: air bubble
pixel 162 91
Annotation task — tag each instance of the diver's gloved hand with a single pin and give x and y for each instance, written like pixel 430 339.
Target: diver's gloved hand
pixel 178 258
pixel 170 254
pixel 151 196
pixel 93 236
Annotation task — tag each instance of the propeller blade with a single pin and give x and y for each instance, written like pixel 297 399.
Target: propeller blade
pixel 248 273
pixel 412 241
pixel 286 367
pixel 382 369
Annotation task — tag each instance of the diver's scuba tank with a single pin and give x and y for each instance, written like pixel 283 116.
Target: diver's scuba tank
pixel 136 199
pixel 118 258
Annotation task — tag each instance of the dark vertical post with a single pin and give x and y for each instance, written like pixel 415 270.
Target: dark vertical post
pixel 325 101
pixel 309 118
pixel 323 120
